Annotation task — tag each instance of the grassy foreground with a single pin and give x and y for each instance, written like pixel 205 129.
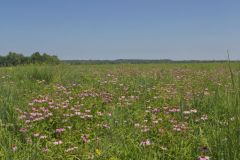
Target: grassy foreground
pixel 120 112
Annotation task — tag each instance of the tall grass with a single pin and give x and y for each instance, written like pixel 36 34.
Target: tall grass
pixel 209 88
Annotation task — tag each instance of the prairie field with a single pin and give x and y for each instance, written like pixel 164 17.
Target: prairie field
pixel 178 111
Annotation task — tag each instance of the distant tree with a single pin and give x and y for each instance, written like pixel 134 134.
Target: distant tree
pixel 45 58
pixel 53 60
pixel 26 60
pixel 1 61
pixel 13 59
pixel 36 57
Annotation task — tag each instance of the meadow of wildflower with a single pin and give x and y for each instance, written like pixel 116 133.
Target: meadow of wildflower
pixel 120 112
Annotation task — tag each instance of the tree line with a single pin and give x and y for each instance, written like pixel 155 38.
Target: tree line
pixel 13 59
pixel 142 61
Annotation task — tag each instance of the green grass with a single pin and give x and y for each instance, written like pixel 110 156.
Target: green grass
pixel 109 111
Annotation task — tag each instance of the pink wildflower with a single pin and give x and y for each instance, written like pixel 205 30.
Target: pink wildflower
pixel 186 112
pixel 14 148
pixel 43 137
pixel 78 113
pixel 173 110
pixel 87 110
pixel 36 135
pixel 57 142
pixel 155 122
pixel 145 129
pixel 145 143
pixel 99 113
pixel 136 124
pixel 69 127
pixel 23 130
pixel 203 158
pixel 204 117
pixel 60 130
pixel 106 126
pixel 85 138
pixel 22 116
pixel 70 149
pixel 193 110
pixel 156 110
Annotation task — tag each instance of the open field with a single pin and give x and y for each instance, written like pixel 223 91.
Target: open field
pixel 120 112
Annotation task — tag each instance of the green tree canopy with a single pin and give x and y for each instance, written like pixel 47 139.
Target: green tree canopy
pixel 13 59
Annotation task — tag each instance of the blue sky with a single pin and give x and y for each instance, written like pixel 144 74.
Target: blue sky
pixel 112 29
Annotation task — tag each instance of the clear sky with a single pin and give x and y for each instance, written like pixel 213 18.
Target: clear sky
pixel 112 29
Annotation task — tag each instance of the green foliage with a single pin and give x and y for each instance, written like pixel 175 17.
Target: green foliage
pixel 36 73
pixel 13 59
